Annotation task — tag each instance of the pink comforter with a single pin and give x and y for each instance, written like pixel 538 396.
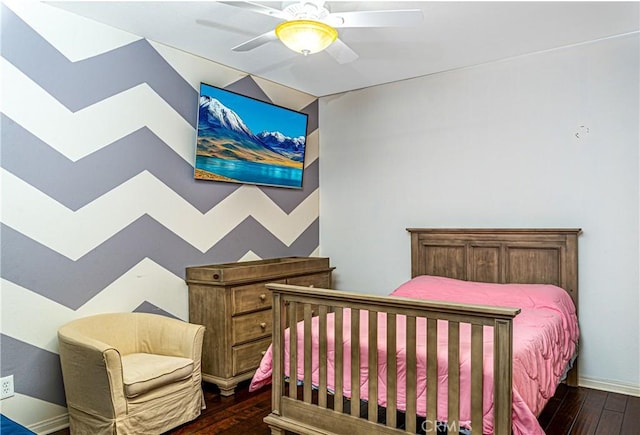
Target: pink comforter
pixel 545 337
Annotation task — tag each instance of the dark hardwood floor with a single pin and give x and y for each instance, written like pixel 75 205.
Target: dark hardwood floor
pixel 583 411
pixel 572 411
pixel 240 414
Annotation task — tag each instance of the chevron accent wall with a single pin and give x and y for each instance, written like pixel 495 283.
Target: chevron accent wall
pixel 100 210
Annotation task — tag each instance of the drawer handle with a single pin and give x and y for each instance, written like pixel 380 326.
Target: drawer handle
pixel 263 325
pixel 263 297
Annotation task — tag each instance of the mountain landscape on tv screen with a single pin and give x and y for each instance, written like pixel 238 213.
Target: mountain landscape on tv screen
pixel 223 135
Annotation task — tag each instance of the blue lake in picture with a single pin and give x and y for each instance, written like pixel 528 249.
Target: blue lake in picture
pixel 251 172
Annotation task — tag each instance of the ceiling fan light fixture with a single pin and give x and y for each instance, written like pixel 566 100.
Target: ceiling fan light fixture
pixel 306 36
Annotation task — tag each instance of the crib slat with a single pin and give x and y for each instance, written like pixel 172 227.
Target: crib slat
pixel 339 359
pixel 391 370
pixel 476 376
pixel 432 374
pixel 293 351
pixel 355 362
pixel 279 319
pixel 502 375
pixel 322 356
pixel 308 355
pixel 373 367
pixel 453 411
pixel 411 379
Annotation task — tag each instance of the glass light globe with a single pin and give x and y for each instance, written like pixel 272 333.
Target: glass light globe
pixel 306 36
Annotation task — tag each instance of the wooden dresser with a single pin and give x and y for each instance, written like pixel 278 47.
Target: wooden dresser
pixel 231 301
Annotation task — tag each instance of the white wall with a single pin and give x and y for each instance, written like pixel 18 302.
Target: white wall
pixel 495 146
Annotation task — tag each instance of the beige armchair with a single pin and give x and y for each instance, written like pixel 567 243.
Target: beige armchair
pixel 131 373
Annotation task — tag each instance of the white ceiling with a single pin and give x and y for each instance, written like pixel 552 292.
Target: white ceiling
pixel 452 35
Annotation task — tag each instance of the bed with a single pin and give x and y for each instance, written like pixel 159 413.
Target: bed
pixel 453 323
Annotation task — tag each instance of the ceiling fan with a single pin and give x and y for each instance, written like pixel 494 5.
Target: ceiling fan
pixel 309 26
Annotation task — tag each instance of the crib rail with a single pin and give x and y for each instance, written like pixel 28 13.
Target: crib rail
pixel 318 411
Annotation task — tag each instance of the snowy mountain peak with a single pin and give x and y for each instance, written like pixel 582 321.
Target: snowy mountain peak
pixel 218 115
pixel 279 140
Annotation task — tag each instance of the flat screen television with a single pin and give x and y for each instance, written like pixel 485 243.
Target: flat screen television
pixel 243 140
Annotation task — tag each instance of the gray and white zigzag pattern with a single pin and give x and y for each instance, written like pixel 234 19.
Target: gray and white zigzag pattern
pixel 98 195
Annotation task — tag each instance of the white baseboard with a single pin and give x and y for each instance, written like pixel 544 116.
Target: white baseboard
pixel 50 425
pixel 610 386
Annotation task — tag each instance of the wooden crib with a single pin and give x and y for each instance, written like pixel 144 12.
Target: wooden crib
pixel 485 255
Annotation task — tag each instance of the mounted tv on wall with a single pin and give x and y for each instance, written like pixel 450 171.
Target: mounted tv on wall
pixel 244 140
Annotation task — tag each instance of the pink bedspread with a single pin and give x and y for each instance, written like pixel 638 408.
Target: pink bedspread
pixel 545 337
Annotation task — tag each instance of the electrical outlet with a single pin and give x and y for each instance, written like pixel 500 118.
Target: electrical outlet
pixel 6 387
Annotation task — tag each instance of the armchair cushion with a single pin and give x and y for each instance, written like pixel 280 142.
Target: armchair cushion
pixel 143 372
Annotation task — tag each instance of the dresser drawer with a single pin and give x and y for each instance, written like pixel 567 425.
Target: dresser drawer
pixel 251 326
pixel 247 356
pixel 321 280
pixel 251 297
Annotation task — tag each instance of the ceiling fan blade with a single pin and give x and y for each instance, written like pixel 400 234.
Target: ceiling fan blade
pixel 256 42
pixel 341 52
pixel 382 18
pixel 256 7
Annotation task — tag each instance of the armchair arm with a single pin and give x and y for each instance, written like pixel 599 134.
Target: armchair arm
pixel 92 374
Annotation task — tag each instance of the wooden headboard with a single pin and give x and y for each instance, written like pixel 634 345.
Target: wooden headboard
pixel 537 256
